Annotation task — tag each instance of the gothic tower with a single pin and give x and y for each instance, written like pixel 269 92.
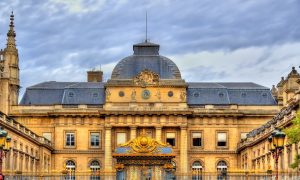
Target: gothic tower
pixel 9 71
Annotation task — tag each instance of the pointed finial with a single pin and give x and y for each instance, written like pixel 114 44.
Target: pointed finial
pixel 146 40
pixel 11 34
pixel 12 18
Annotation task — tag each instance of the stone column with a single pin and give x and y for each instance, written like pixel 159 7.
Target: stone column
pixel 133 132
pixel 108 155
pixel 158 133
pixel 183 152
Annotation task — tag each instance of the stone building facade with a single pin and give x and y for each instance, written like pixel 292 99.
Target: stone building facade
pixel 202 122
pixel 254 151
pixel 30 154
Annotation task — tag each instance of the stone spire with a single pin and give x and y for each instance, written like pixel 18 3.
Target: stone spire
pixel 294 73
pixel 274 91
pixel 11 35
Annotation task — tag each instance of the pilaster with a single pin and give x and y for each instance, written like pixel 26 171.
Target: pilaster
pixel 108 152
pixel 158 133
pixel 183 151
pixel 133 132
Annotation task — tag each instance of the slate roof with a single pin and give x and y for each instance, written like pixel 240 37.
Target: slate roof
pixel 146 56
pixel 65 93
pixel 241 93
pixel 90 93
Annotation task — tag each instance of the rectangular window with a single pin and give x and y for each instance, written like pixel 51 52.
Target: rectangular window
pixel 121 138
pixel 170 138
pixel 47 135
pixel 196 138
pixel 95 139
pixel 222 139
pixel 70 139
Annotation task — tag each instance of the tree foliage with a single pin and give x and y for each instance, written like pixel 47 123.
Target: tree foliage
pixel 293 134
pixel 296 162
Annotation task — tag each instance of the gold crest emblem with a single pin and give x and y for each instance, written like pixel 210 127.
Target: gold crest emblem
pixel 146 77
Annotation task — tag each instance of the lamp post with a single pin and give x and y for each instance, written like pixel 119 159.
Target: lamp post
pixel 4 147
pixel 276 141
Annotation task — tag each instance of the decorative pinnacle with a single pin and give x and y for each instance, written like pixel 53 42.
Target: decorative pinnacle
pixel 12 18
pixel 11 32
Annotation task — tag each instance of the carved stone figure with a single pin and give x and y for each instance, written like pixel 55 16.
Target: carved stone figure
pixel 107 94
pixel 158 95
pixel 133 95
pixel 183 96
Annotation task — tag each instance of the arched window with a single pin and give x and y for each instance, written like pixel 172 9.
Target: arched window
pixel 222 170
pixel 197 170
pixel 222 166
pixel 95 169
pixel 70 167
pixel 169 174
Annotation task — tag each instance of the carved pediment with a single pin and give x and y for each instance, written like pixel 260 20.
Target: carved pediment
pixel 146 77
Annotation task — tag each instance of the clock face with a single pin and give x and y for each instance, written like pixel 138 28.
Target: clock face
pixel 146 94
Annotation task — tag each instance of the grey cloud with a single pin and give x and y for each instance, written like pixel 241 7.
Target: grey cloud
pixel 47 32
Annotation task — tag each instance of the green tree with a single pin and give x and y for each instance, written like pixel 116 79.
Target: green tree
pixel 293 134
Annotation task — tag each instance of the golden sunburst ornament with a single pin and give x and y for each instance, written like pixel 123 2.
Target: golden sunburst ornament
pixel 143 144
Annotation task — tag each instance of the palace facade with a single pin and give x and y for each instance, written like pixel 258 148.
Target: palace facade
pixel 145 121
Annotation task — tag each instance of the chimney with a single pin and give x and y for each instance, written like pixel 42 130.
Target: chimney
pixel 95 76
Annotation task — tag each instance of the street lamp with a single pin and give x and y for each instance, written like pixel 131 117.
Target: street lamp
pixel 4 147
pixel 276 141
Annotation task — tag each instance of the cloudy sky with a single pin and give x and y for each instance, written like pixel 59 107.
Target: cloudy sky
pixel 210 40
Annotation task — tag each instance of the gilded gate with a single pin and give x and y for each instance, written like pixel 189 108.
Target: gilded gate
pixel 144 158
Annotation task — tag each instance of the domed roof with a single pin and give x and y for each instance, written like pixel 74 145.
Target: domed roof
pixel 146 56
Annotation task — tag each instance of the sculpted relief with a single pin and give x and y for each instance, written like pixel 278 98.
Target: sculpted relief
pixel 183 96
pixel 146 77
pixel 107 94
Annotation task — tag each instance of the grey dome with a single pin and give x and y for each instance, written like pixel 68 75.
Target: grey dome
pixel 146 56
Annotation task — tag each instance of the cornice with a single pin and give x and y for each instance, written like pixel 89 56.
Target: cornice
pixel 133 112
pixel 74 151
pixel 211 152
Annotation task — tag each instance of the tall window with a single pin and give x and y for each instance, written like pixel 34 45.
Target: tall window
pixel 7 160
pixel 222 170
pixel 170 138
pixel 196 138
pixel 221 166
pixel 197 170
pixel 222 139
pixel 14 164
pixel 70 167
pixel 95 169
pixel 95 139
pixel 170 173
pixel 281 157
pixel 121 138
pixel 70 139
